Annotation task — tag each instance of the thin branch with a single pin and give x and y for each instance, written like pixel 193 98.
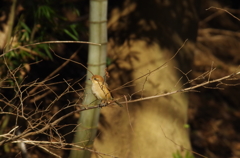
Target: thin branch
pixel 53 42
pixel 156 68
pixel 181 145
pixel 32 142
pixel 224 11
pixel 186 89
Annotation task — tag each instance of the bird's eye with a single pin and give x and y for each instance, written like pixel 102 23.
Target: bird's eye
pixel 95 78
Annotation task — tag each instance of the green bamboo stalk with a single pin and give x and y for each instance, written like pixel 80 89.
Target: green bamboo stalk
pixel 88 120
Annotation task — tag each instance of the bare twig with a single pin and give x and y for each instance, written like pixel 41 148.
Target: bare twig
pixel 156 68
pixel 181 145
pixel 55 71
pixel 33 44
pixel 41 143
pixel 224 11
pixel 186 89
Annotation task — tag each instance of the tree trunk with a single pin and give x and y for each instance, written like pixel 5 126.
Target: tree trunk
pixel 145 35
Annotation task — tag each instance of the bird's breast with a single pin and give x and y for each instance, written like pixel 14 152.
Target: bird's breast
pixel 100 91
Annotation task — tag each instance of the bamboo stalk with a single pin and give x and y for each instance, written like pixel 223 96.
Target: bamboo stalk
pixel 88 121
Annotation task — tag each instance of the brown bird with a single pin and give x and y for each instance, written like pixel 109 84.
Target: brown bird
pixel 100 89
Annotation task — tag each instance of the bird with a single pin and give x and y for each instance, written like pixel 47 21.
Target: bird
pixel 100 89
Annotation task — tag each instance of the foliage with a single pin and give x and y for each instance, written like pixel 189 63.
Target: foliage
pixel 42 21
pixel 178 155
pixel 34 21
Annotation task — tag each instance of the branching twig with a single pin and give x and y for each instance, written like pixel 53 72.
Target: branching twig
pixel 186 89
pixel 41 143
pixel 46 123
pixel 224 11
pixel 33 44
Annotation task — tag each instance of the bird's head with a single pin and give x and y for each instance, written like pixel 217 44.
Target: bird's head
pixel 97 78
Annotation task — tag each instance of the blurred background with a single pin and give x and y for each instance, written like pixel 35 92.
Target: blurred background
pixel 213 112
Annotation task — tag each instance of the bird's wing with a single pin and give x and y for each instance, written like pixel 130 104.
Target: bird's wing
pixel 106 85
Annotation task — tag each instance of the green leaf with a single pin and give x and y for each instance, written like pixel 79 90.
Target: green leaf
pixel 73 28
pixel 109 61
pixel 189 155
pixel 177 155
pixel 186 126
pixel 25 27
pixel 70 34
pixel 45 11
pixel 48 52
pixel 77 12
pixel 25 37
